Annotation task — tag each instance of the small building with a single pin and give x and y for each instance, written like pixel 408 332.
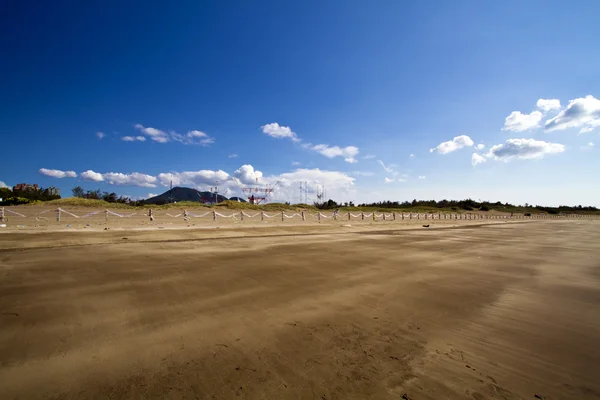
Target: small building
pixel 52 191
pixel 25 187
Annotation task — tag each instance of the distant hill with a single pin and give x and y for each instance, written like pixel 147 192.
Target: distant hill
pixel 178 194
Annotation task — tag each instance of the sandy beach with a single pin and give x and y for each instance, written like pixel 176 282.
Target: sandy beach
pixel 506 310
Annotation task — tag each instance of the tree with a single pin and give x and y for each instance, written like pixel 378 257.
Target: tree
pixel 78 192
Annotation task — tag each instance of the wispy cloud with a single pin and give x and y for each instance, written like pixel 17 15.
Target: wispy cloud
pixel 368 157
pixel 422 177
pixel 133 138
pixel 193 137
pixel 452 145
pixel 412 156
pixel 388 168
pixel 100 135
pixel 296 163
pixel 56 173
pixel 154 134
pixel 232 155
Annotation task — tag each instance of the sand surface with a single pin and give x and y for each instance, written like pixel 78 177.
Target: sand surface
pixel 493 311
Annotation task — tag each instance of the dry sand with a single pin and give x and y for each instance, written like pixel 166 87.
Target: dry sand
pixel 498 311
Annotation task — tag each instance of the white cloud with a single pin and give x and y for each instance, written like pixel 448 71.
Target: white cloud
pixel 151 195
pixel 155 134
pixel 3 185
pixel 133 179
pixel 296 163
pixel 422 177
pixel 195 179
pixel 247 174
pixel 118 178
pixel 90 175
pixel 348 153
pixel 412 156
pixel 193 137
pixel 388 180
pixel 546 105
pixel 100 135
pixel 452 145
pixel 55 173
pixel 338 185
pixel 388 168
pixel 583 112
pixel 133 138
pixel 277 131
pixel 368 157
pixel 519 122
pixel 477 159
pixel 233 155
pixel 480 146
pixel 524 149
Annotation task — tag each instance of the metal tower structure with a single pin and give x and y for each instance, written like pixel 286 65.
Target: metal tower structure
pixel 257 194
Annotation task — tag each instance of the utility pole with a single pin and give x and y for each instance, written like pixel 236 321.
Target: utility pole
pixel 216 193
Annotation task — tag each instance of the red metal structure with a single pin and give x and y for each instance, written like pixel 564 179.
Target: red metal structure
pixel 257 194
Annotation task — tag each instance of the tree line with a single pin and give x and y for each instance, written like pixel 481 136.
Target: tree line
pixel 467 204
pixel 10 198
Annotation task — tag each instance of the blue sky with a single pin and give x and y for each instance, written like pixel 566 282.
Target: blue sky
pixel 357 96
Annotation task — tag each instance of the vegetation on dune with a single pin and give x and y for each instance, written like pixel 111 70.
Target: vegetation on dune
pixel 106 200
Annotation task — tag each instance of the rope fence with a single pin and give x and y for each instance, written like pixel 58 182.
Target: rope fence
pixel 62 214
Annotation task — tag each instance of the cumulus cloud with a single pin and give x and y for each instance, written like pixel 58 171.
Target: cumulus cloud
pixel 277 131
pixel 133 138
pixel 90 175
pixel 3 185
pixel 155 134
pixel 247 174
pixel 412 156
pixel 583 112
pixel 477 159
pixel 452 145
pixel 118 178
pixel 348 153
pixel 100 135
pixel 546 105
pixel 480 146
pixel 524 149
pixel 150 195
pixel 193 178
pixel 338 185
pixel 519 122
pixel 56 173
pixel 132 179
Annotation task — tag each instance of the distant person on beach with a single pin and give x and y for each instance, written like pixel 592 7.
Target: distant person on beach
pixel 150 215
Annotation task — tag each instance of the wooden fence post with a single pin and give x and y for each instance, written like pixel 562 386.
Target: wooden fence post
pixel 58 215
pixel 262 215
pixel 303 217
pixel 241 215
pixel 214 215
